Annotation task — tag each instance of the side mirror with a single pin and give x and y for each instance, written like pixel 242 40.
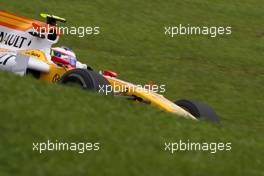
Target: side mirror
pixel 109 73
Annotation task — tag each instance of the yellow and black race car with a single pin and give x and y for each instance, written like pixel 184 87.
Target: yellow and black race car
pixel 26 48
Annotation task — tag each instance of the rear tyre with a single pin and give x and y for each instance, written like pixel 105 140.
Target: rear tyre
pixel 86 79
pixel 198 109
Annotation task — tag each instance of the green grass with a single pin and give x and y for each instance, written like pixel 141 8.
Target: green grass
pixel 226 72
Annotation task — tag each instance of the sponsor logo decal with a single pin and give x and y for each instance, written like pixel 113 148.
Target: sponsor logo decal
pixel 56 78
pixel 13 40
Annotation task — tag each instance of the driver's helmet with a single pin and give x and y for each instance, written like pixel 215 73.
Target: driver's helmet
pixel 65 54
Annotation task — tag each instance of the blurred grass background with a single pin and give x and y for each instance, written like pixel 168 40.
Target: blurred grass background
pixel 226 72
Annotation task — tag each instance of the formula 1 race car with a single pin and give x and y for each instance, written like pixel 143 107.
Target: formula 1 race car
pixel 26 49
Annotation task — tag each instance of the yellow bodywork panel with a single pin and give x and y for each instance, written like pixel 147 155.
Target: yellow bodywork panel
pixel 36 54
pixel 153 98
pixel 55 73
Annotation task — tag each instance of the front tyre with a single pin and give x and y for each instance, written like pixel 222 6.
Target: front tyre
pixel 86 79
pixel 198 109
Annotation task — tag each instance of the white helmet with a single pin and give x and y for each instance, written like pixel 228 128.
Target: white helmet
pixel 66 55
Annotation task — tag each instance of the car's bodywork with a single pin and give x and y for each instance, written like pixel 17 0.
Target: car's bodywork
pixel 21 50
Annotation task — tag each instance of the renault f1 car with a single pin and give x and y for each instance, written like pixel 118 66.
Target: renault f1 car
pixel 26 49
